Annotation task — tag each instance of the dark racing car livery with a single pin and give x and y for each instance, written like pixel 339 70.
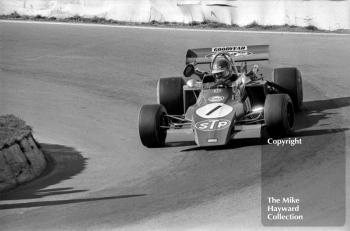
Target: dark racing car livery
pixel 218 112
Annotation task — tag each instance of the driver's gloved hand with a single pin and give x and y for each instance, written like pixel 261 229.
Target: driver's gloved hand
pixel 200 73
pixel 253 73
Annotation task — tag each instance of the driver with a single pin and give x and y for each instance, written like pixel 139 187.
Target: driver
pixel 224 72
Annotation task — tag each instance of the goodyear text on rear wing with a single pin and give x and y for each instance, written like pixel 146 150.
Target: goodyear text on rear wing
pixel 240 53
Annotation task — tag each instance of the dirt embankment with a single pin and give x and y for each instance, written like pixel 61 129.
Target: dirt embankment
pixel 21 158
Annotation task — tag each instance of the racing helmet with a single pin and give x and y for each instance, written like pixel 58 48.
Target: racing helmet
pixel 221 69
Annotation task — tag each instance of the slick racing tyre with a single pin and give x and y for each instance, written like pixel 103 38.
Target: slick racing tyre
pixel 170 94
pixel 279 115
pixel 153 125
pixel 290 79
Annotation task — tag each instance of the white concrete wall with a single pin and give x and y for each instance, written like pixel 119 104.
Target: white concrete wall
pixel 324 14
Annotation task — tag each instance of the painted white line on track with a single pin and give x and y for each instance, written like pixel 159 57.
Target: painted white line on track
pixel 174 28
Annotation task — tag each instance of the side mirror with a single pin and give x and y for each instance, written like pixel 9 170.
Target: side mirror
pixel 189 70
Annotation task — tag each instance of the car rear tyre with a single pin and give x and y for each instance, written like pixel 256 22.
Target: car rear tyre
pixel 290 79
pixel 170 94
pixel 279 115
pixel 152 125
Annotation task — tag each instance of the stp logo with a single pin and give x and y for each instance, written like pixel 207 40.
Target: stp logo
pixel 211 125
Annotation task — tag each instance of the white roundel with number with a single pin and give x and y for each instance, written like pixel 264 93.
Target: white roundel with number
pixel 214 110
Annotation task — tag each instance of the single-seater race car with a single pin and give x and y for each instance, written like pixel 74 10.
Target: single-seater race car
pixel 218 112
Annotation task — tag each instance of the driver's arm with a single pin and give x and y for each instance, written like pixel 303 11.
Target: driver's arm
pixel 239 85
pixel 200 73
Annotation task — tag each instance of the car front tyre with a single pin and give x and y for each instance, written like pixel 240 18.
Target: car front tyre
pixel 153 125
pixel 279 115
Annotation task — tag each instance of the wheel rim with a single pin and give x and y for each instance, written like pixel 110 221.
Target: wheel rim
pixel 162 131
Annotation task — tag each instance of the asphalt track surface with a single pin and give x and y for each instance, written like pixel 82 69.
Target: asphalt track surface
pixel 80 88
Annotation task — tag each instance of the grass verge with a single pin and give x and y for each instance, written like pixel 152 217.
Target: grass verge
pixel 12 129
pixel 193 25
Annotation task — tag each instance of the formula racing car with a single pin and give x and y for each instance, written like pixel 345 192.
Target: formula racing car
pixel 217 111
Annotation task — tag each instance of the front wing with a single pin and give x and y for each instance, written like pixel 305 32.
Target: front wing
pixel 252 131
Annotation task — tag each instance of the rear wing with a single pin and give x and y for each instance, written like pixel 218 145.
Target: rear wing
pixel 238 53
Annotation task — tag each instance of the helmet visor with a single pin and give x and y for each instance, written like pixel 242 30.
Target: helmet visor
pixel 219 74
